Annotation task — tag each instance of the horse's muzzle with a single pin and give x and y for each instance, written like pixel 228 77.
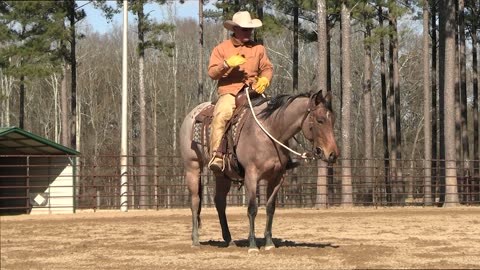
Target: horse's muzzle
pixel 320 153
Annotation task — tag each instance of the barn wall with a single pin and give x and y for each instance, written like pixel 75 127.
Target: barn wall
pixel 53 181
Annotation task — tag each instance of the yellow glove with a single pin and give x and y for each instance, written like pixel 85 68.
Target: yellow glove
pixel 262 84
pixel 235 60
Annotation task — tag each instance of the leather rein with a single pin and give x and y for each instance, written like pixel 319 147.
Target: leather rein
pixel 309 155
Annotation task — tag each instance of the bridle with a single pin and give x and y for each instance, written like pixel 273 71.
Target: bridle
pixel 309 155
pixel 311 122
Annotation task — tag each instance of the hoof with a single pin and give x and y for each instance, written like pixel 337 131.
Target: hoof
pixel 253 251
pixel 267 248
pixel 195 245
pixel 232 244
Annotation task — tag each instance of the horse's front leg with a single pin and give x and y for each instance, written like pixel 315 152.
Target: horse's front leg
pixel 252 213
pixel 272 192
pixel 222 187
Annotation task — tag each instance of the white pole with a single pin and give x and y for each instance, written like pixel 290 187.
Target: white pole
pixel 123 158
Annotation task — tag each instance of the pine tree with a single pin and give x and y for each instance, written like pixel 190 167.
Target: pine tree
pixel 30 48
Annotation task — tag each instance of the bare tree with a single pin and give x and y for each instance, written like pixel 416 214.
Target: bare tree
pixel 383 84
pixel 200 51
pixel 347 198
pixel 447 14
pixel 476 130
pixel 6 88
pixel 435 117
pixel 141 99
pixel 463 91
pixel 427 113
pixel 366 17
pixel 295 45
pixel 322 180
pixel 394 100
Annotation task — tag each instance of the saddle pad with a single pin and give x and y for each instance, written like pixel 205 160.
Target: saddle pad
pixel 198 133
pixel 236 128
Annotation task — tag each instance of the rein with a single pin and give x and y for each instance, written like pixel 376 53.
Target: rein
pixel 304 155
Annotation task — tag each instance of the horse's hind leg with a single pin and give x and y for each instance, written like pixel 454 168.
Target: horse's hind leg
pixel 222 187
pixel 195 187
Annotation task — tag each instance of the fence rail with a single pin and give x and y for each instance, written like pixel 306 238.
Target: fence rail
pixel 93 182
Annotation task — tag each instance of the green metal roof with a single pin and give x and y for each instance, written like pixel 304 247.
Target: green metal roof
pixel 14 140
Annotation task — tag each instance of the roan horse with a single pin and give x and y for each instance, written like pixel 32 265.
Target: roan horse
pixel 261 157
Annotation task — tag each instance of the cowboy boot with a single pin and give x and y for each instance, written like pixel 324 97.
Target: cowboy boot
pixel 216 164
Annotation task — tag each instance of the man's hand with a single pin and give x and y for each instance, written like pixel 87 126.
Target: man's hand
pixel 262 84
pixel 235 60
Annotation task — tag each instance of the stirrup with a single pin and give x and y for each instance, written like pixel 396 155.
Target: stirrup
pixel 216 164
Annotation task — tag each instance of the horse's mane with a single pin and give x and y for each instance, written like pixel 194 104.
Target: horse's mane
pixel 279 102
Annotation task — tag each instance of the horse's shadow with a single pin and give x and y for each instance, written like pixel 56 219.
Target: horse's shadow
pixel 261 242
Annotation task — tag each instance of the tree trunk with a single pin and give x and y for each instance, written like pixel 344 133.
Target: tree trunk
pixel 21 117
pixel 447 14
pixel 64 104
pixel 368 115
pixel 441 104
pixel 435 117
pixel 427 114
pixel 476 131
pixel 463 92
pixel 258 5
pixel 56 107
pixel 73 59
pixel 175 96
pixel 386 136
pixel 295 47
pixel 398 127
pixel 224 16
pixel 156 182
pixel 200 51
pixel 142 160
pixel 347 197
pixel 6 87
pixel 321 199
pixel 458 110
pixel 391 116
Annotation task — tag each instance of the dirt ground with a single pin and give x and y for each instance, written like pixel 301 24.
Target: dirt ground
pixel 387 238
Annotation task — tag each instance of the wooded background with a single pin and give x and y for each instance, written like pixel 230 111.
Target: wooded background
pixel 403 75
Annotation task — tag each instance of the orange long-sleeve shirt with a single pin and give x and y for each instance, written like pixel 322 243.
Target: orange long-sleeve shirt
pixel 231 80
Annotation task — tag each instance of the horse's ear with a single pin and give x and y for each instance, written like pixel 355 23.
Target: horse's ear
pixel 319 98
pixel 326 100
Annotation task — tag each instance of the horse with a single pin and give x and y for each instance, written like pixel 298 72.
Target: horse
pixel 261 155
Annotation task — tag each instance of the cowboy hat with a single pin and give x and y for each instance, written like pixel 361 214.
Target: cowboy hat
pixel 242 19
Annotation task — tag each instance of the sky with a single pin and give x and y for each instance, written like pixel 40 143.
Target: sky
pixel 99 24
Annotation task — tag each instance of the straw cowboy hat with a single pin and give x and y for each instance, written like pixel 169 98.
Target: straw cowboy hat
pixel 242 19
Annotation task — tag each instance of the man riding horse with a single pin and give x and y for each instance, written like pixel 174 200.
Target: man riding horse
pixel 270 125
pixel 235 62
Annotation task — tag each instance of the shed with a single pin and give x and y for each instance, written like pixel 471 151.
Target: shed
pixel 36 175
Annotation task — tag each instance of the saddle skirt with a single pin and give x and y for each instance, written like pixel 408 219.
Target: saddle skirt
pixel 229 142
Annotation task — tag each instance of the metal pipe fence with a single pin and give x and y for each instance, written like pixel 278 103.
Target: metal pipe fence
pixel 94 183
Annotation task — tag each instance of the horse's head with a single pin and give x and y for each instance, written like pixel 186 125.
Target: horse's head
pixel 318 127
